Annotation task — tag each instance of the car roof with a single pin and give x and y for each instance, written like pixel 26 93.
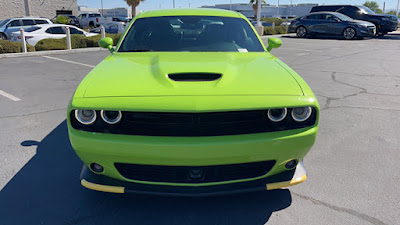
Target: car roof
pixel 54 25
pixel 326 12
pixel 28 17
pixel 190 12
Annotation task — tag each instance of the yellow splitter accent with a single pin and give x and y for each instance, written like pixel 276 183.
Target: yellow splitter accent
pixel 104 188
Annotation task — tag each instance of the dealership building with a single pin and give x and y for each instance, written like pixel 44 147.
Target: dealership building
pixel 267 10
pixel 37 8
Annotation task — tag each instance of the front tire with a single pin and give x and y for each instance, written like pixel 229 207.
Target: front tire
pixel 3 36
pixel 301 32
pixel 349 33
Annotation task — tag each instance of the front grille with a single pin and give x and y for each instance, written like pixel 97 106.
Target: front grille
pixel 189 174
pixel 194 124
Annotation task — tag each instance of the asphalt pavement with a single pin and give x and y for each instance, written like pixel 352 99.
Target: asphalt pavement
pixel 352 169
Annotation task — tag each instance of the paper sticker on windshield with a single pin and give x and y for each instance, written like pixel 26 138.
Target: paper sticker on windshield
pixel 242 50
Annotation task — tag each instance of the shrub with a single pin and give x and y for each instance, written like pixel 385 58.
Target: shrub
pixel 51 44
pixel 276 20
pixel 77 41
pixel 13 47
pixel 277 30
pixel 62 19
pixel 269 31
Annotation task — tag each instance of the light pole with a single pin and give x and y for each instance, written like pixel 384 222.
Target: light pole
pixel 173 3
pixel 259 12
pixel 102 12
pixel 230 5
pixel 397 12
pixel 278 9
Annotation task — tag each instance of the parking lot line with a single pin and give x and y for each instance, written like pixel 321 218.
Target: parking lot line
pixel 11 97
pixel 63 60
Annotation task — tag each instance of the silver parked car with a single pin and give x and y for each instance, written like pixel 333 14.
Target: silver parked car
pixel 15 24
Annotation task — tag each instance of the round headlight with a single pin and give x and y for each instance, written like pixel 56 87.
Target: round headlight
pixel 277 115
pixel 301 114
pixel 85 116
pixel 111 117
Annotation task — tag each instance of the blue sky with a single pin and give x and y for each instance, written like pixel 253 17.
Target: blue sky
pixel 156 4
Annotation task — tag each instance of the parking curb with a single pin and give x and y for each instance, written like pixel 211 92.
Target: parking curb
pixel 52 52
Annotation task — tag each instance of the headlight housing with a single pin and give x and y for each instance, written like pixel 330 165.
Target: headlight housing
pixel 85 116
pixel 277 115
pixel 301 114
pixel 385 19
pixel 111 117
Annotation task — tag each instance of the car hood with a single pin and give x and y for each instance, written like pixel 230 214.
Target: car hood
pixel 360 22
pixel 147 74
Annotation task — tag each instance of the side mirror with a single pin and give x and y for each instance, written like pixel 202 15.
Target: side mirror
pixel 273 42
pixel 107 43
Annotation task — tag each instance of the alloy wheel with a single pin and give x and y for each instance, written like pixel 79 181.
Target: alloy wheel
pixel 301 32
pixel 349 33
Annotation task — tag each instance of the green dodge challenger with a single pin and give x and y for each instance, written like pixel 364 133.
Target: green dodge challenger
pixel 190 102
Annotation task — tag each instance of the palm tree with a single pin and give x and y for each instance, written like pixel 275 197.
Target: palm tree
pixel 255 7
pixel 133 4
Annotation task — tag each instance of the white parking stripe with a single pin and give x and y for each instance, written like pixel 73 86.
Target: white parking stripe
pixel 11 97
pixel 63 60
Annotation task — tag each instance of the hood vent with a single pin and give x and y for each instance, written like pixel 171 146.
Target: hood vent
pixel 194 76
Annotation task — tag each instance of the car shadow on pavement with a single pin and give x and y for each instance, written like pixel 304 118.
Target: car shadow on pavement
pixel 47 191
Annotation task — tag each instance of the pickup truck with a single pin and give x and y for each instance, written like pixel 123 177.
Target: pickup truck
pixel 92 20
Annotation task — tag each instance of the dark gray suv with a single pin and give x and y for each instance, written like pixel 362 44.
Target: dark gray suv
pixel 331 24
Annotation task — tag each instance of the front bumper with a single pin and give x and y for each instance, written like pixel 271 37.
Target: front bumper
pixel 98 182
pixel 108 149
pixel 366 32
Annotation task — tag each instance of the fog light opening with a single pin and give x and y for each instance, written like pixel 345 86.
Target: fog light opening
pixel 291 164
pixel 96 167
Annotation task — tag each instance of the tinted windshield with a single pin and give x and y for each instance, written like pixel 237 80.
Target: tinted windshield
pixel 366 10
pixel 192 34
pixel 2 23
pixel 343 17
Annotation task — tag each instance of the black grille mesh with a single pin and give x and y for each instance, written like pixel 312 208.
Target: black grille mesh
pixel 188 174
pixel 194 124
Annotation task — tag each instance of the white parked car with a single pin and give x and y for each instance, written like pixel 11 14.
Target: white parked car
pixel 92 20
pixel 39 32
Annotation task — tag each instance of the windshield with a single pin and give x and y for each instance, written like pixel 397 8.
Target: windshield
pixel 191 34
pixel 343 17
pixel 366 10
pixel 2 23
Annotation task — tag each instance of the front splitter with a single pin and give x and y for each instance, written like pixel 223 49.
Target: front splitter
pixel 103 183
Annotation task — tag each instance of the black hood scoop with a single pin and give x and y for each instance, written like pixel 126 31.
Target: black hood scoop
pixel 194 76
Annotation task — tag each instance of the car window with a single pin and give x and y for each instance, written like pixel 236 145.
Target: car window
pixel 55 30
pixel 75 31
pixel 366 10
pixel 196 34
pixel 31 29
pixel 28 22
pixel 314 17
pixel 349 11
pixel 2 23
pixel 327 17
pixel 41 21
pixel 14 23
pixel 94 15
